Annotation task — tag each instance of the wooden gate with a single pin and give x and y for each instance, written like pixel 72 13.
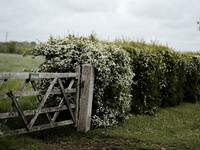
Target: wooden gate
pixel 61 94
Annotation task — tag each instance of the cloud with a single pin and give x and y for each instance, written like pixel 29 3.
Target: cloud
pixel 82 6
pixel 172 22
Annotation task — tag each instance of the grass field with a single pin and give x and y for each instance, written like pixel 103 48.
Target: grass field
pixel 16 63
pixel 171 128
pixel 12 62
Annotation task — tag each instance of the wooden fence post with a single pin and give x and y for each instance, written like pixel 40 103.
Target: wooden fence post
pixel 86 98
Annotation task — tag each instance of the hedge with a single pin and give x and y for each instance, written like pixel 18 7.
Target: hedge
pixel 129 77
pixel 113 74
pixel 192 84
pixel 163 77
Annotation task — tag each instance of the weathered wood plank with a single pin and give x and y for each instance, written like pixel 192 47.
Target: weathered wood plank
pixel 71 84
pixel 51 75
pixel 21 114
pixel 1 82
pixel 35 93
pixel 32 112
pixel 37 128
pixel 86 98
pixel 81 115
pixel 42 92
pixel 78 71
pixel 14 75
pixel 35 76
pixel 57 113
pixel 42 103
pixel 66 99
pixel 39 97
pixel 62 102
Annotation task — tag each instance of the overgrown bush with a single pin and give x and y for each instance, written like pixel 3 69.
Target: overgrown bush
pixel 163 77
pixel 129 77
pixel 171 93
pixel 148 81
pixel 113 74
pixel 192 84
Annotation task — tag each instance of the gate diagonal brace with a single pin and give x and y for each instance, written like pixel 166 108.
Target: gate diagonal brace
pixel 61 102
pixel 1 82
pixel 53 119
pixel 66 99
pixel 19 110
pixel 38 111
pixel 39 98
pixel 58 85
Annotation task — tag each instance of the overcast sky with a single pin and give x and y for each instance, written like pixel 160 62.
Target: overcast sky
pixel 171 22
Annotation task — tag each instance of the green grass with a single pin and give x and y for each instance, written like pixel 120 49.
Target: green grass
pixel 17 63
pixel 171 128
pixel 14 63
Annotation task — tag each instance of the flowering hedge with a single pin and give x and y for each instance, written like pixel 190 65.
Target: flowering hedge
pixel 129 77
pixel 113 74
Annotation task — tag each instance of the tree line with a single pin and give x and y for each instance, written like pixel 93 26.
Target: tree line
pixel 16 47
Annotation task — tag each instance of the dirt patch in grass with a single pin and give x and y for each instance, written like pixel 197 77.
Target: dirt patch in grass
pixel 170 129
pixel 115 143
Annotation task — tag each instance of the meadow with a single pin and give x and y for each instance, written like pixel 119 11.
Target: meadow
pixel 169 128
pixel 16 63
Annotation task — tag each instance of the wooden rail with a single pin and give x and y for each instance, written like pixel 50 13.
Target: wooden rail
pixel 56 87
pixel 36 93
pixel 78 85
pixel 35 76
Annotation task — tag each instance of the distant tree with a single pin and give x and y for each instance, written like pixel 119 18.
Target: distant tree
pixel 33 43
pixel 11 47
pixel 198 22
